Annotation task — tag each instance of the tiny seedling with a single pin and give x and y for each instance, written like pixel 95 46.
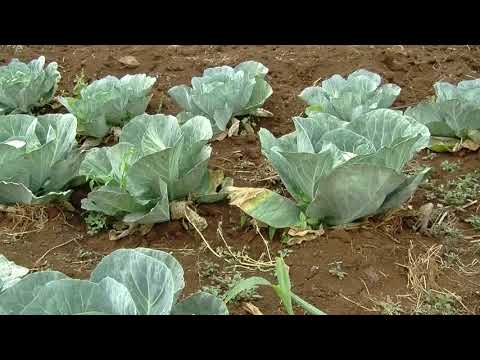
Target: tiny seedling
pixel 336 270
pixel 450 166
pixel 283 253
pixel 282 289
pixel 80 83
pixel 389 307
pixel 96 222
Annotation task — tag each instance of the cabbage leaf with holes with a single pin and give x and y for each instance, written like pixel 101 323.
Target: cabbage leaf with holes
pixel 109 102
pixel 39 158
pixel 127 282
pixel 156 161
pixel 349 98
pixel 337 171
pixel 453 117
pixel 25 87
pixel 224 92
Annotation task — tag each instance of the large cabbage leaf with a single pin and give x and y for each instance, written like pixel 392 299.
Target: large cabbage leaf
pixel 39 158
pixel 156 161
pixel 127 282
pixel 349 98
pixel 336 171
pixel 453 118
pixel 109 102
pixel 224 92
pixel 10 273
pixel 24 87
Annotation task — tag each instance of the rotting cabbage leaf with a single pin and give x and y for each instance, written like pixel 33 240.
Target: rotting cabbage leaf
pixel 155 162
pixel 127 282
pixel 349 98
pixel 24 87
pixel 336 171
pixel 224 92
pixel 109 102
pixel 39 158
pixel 453 118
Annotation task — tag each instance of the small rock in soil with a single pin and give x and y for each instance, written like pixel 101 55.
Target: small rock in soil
pixel 129 61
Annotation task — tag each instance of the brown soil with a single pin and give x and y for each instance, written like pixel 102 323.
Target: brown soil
pixel 374 255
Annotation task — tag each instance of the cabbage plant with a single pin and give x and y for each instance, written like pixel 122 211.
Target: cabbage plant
pixel 453 117
pixel 39 158
pixel 337 171
pixel 224 92
pixel 109 102
pixel 127 282
pixel 155 162
pixel 24 87
pixel 349 98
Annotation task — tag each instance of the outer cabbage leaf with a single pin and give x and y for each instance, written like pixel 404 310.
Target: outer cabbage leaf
pixel 17 297
pixel 82 297
pixel 200 304
pixel 149 281
pixel 10 273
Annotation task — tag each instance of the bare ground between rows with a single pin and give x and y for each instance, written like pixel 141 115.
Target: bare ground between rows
pixel 375 260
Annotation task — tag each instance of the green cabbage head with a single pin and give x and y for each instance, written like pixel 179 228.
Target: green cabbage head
pixel 453 118
pixel 24 87
pixel 39 158
pixel 109 102
pixel 224 92
pixel 155 162
pixel 337 171
pixel 349 98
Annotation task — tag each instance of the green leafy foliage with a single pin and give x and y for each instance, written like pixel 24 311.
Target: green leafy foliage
pixel 224 92
pixel 155 162
pixel 126 282
pixel 25 87
pixel 109 102
pixel 337 171
pixel 349 98
pixel 39 158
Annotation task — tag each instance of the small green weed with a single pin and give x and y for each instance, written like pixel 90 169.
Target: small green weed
pixel 450 166
pixel 336 270
pixel 96 222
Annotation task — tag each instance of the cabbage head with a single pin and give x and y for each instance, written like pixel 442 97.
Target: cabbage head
pixel 349 98
pixel 109 102
pixel 39 158
pixel 25 87
pixel 155 162
pixel 453 118
pixel 337 171
pixel 224 92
